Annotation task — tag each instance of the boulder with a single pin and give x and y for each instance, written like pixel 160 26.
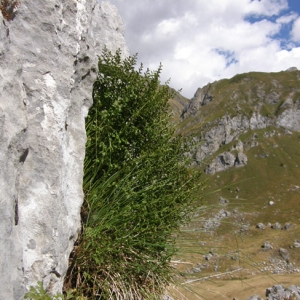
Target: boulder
pixel 260 226
pixel 221 163
pixel 238 146
pixel 287 226
pixel 297 244
pixel 292 69
pixel 279 292
pixel 285 254
pixel 223 200
pixel 225 161
pixel 241 160
pixel 267 246
pixel 276 226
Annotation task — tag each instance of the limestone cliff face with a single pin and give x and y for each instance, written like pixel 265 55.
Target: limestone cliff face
pixel 48 61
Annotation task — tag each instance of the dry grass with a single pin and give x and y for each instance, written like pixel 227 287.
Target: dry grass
pixel 262 180
pixel 8 8
pixel 227 289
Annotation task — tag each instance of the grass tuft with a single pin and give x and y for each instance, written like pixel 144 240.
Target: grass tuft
pixel 138 189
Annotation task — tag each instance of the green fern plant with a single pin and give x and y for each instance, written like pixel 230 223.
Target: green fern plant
pixel 39 293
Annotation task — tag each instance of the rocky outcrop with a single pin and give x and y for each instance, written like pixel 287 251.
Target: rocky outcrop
pixel 290 117
pixel 227 129
pixel 225 161
pixel 221 132
pixel 279 292
pixel 48 61
pixel 202 97
pixel 225 110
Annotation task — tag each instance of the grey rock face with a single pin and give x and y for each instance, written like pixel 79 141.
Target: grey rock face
pixel 260 226
pixel 229 127
pixel 297 244
pixel 279 292
pixel 292 69
pixel 225 161
pixel 223 200
pixel 201 98
pixel 290 118
pixel 284 253
pixel 287 226
pixel 222 132
pixel 257 121
pixel 273 98
pixel 276 226
pixel 240 160
pixel 267 246
pixel 48 59
pixel 220 163
pixel 238 146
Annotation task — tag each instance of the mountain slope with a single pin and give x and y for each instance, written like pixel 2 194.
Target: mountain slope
pixel 247 135
pixel 224 110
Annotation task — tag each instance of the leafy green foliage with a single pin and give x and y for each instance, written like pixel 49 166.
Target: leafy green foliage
pixel 137 185
pixel 39 293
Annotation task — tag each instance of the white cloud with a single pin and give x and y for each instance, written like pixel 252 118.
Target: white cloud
pixel 285 57
pixel 285 19
pixel 295 33
pixel 266 7
pixel 168 27
pixel 201 41
pixel 242 35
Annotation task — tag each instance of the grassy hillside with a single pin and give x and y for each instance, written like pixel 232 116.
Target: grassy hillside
pixel 221 244
pixel 244 94
pixel 177 104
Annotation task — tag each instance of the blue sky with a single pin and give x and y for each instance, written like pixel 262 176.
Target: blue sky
pixel 200 41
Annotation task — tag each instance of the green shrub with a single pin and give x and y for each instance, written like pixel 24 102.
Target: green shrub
pixel 138 189
pixel 39 293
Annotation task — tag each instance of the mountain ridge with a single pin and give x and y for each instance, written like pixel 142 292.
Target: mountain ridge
pixel 222 111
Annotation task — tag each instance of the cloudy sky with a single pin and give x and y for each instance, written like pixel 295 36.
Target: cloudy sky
pixel 200 41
